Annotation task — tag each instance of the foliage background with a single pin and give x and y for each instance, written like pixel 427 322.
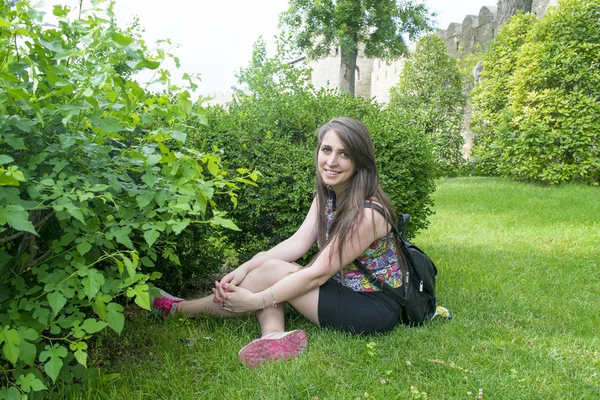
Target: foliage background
pixel 536 113
pixel 430 94
pixel 95 184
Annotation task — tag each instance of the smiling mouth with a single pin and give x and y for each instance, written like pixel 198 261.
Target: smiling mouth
pixel 330 172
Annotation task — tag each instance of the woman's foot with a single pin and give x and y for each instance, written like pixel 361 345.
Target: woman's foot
pixel 273 346
pixel 164 305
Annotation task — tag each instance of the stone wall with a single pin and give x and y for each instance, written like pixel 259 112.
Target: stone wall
pixel 326 72
pixel 475 32
pixel 384 77
pixel 540 7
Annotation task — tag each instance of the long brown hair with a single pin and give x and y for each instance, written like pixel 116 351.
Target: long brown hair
pixel 363 185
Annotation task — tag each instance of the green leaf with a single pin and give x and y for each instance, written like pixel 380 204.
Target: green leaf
pixel 30 382
pixel 114 317
pixel 8 180
pixel 121 234
pixel 151 235
pixel 144 199
pixel 17 218
pixel 92 283
pixel 47 182
pixel 11 339
pixel 57 301
pixel 54 355
pixel 72 209
pixel 150 64
pixel 121 40
pixel 41 314
pixel 84 247
pixel 179 134
pixel 92 325
pixel 4 159
pixel 60 11
pixel 129 265
pixel 14 141
pixel 110 125
pixel 142 298
pixel 27 352
pixel 79 352
pixel 225 223
pixel 178 226
pixel 213 168
pixel 11 393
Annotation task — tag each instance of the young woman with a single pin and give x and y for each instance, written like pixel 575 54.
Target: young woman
pixel 329 291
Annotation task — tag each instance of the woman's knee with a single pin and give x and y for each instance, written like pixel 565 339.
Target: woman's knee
pixel 272 271
pixel 259 254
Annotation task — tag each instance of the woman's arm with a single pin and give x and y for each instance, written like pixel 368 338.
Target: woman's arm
pixel 289 250
pixel 371 227
pixel 295 246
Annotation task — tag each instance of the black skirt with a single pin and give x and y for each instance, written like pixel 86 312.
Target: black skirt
pixel 357 312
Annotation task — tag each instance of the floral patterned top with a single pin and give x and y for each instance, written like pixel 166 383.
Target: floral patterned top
pixel 380 257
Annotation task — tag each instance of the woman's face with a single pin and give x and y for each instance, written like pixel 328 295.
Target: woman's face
pixel 334 163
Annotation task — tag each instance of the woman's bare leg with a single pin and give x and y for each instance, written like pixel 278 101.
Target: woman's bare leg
pixel 261 278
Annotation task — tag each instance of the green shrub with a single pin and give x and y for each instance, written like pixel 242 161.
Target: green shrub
pixel 555 97
pixel 540 119
pixel 93 188
pixel 489 98
pixel 431 94
pixel 274 131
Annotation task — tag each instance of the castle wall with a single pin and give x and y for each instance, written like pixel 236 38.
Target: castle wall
pixel 364 71
pixel 540 7
pixel 475 32
pixel 384 77
pixel 326 71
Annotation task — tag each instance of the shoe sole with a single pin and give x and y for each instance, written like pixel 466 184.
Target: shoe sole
pixel 265 350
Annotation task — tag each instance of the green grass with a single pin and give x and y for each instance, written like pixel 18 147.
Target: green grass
pixel 518 267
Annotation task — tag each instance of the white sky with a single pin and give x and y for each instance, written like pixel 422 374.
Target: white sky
pixel 215 37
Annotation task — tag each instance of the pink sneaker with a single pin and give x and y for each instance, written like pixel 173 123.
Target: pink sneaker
pixel 165 305
pixel 273 346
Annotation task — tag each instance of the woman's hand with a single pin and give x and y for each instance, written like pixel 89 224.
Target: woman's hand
pixel 240 300
pixel 235 277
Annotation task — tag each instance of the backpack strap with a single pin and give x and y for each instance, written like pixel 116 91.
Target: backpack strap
pixel 373 280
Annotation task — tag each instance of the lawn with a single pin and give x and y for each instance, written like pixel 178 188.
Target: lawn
pixel 518 267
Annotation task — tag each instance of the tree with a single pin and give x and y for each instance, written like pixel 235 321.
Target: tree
pixel 538 107
pixel 430 93
pixel 508 8
pixel 489 98
pixel 96 180
pixel 379 25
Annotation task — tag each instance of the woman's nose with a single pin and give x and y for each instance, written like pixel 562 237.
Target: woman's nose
pixel 332 160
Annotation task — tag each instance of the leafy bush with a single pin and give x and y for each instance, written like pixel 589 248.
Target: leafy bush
pixel 548 129
pixel 95 183
pixel 489 98
pixel 431 95
pixel 274 130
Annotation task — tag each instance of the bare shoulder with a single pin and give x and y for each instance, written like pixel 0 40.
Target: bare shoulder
pixel 373 216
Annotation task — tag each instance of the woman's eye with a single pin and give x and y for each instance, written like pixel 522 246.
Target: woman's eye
pixel 344 154
pixel 325 149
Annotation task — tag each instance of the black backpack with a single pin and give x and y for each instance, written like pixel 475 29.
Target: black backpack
pixel 417 293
